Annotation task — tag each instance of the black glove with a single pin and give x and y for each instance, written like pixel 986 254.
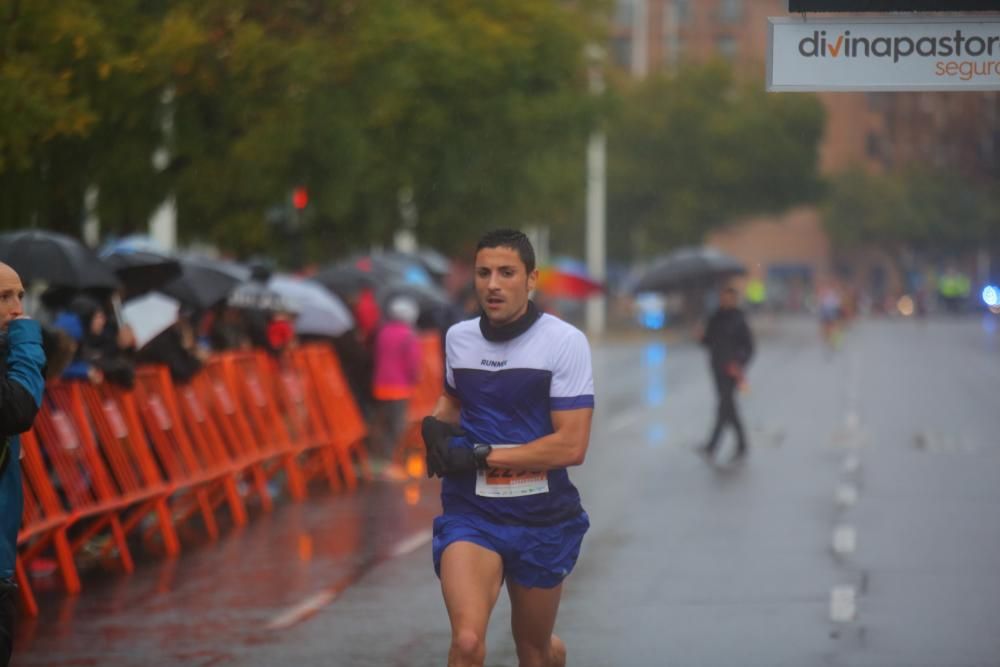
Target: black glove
pixel 442 458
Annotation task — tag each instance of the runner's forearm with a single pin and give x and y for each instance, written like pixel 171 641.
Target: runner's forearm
pixel 565 448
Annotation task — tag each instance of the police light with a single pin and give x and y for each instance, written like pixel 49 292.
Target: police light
pixel 300 198
pixel 991 296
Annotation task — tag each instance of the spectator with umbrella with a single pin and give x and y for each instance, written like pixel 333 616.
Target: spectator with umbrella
pixel 268 315
pixel 177 348
pixel 730 345
pixel 100 355
pixel 691 271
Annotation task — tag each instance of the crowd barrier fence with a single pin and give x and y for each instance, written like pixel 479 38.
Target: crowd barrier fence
pixel 102 462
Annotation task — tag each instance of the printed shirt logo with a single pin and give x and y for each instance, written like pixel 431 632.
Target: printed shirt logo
pixel 490 363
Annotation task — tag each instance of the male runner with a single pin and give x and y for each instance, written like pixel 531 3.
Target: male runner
pixel 515 413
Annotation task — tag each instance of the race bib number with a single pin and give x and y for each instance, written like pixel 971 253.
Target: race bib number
pixel 506 483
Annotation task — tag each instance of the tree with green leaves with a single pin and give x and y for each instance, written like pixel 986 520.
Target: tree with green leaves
pixel 479 111
pixel 923 211
pixel 693 152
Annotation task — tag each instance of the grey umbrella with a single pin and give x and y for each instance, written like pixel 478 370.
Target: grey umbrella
pixel 688 268
pixel 319 311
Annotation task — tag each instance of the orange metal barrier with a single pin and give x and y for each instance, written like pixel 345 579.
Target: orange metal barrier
pixel 300 406
pixel 334 406
pixel 190 462
pixel 43 516
pixel 100 459
pixel 211 387
pixel 247 380
pixel 425 395
pixel 81 479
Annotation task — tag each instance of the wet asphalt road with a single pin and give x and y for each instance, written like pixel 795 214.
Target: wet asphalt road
pixel 892 443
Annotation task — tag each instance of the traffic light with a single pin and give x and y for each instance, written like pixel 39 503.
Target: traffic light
pixel 300 198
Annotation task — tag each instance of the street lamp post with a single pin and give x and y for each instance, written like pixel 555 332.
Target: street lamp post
pixel 596 311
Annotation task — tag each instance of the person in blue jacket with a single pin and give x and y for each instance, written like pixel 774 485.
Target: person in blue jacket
pixel 21 383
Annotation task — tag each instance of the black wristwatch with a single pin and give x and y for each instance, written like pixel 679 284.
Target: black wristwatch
pixel 480 452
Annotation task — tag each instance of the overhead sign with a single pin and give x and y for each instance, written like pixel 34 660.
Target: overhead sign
pixel 893 5
pixel 883 54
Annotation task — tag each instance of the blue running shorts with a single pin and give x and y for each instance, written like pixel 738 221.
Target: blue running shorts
pixel 533 556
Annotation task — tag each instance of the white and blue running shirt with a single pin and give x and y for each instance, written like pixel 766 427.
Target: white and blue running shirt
pixel 508 391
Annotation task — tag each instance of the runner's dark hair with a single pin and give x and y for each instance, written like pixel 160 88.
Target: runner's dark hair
pixel 509 238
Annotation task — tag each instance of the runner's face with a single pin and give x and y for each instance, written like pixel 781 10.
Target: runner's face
pixel 11 294
pixel 503 284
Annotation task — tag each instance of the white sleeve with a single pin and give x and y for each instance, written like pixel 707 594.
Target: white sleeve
pixel 572 375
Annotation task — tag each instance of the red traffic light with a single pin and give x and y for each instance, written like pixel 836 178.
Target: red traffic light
pixel 300 198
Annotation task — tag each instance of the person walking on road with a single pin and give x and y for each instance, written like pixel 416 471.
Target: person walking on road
pixel 730 344
pixel 21 386
pixel 515 413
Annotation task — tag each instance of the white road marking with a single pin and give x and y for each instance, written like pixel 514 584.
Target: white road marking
pixel 312 604
pixel 301 611
pixel 843 604
pixel 852 421
pixel 852 463
pixel 847 495
pixel 412 543
pixel 845 540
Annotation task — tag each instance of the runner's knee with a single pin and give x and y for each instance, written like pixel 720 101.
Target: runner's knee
pixel 467 648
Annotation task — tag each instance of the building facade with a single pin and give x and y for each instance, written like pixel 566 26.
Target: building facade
pixel 874 131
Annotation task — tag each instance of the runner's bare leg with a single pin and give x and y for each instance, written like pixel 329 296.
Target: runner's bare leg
pixel 533 617
pixel 471 577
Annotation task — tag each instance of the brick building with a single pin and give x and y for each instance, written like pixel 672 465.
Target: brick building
pixel 875 131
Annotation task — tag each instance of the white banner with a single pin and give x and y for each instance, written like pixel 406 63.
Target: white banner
pixel 915 53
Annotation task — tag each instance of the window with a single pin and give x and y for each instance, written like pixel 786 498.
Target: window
pixel 873 145
pixel 621 51
pixel 624 13
pixel 682 9
pixel 731 11
pixel 728 47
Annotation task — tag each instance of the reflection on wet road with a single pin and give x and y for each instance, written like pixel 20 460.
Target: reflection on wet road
pixel 242 590
pixel 860 532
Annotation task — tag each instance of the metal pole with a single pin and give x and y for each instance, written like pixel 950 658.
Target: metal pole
pixel 640 39
pixel 596 241
pixel 596 311
pixel 163 223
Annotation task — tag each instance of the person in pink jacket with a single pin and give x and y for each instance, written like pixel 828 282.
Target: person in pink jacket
pixel 397 369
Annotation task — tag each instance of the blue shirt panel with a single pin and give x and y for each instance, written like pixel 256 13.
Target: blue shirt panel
pixel 509 406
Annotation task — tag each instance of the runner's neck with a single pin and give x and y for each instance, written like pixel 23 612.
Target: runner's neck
pixel 506 332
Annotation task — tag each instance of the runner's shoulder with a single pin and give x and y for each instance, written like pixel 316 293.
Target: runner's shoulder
pixel 465 332
pixel 560 332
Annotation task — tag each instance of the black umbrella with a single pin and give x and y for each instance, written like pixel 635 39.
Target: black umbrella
pixel 205 282
pixel 345 279
pixel 428 297
pixel 56 259
pixel 688 268
pixel 142 271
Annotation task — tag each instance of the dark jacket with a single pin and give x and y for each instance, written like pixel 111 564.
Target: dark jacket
pixel 168 348
pixel 21 386
pixel 728 338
